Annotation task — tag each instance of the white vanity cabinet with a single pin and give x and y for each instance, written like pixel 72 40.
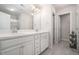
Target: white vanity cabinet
pixel 44 41
pixel 37 44
pixel 32 44
pixel 18 46
pixel 28 47
pixel 41 42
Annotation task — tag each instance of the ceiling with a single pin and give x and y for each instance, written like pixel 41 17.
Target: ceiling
pixel 59 6
pixel 16 9
pixel 8 9
pixel 26 8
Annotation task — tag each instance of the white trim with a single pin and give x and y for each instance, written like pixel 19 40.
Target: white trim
pixel 64 12
pixel 68 12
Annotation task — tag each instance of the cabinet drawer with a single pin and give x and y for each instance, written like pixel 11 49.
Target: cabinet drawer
pixel 37 51
pixel 29 43
pixel 8 43
pixel 29 38
pixel 37 41
pixel 37 36
pixel 44 44
pixel 37 46
pixel 43 47
pixel 44 41
pixel 11 42
pixel 12 51
pixel 45 36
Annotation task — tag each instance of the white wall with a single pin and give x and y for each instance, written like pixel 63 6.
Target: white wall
pixel 37 21
pixel 69 9
pixel 46 20
pixel 25 21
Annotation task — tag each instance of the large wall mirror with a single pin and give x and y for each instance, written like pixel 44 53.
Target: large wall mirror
pixel 13 17
pixel 4 22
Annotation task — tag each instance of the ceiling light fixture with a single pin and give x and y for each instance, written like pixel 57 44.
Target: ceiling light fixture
pixel 33 7
pixel 12 9
pixel 32 14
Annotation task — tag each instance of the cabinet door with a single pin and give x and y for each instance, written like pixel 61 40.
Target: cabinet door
pixel 44 41
pixel 11 51
pixel 28 48
pixel 37 44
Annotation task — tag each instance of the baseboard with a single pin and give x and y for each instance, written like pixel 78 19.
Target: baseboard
pixel 65 40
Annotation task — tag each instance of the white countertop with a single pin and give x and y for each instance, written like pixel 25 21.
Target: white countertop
pixel 19 33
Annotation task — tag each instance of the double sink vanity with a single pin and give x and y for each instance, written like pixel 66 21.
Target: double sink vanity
pixel 24 43
pixel 20 32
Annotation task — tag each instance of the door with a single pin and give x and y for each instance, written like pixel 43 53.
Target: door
pixel 53 29
pixel 65 27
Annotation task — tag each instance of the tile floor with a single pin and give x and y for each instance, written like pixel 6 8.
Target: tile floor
pixel 61 48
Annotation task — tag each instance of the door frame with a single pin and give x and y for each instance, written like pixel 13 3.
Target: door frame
pixel 63 13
